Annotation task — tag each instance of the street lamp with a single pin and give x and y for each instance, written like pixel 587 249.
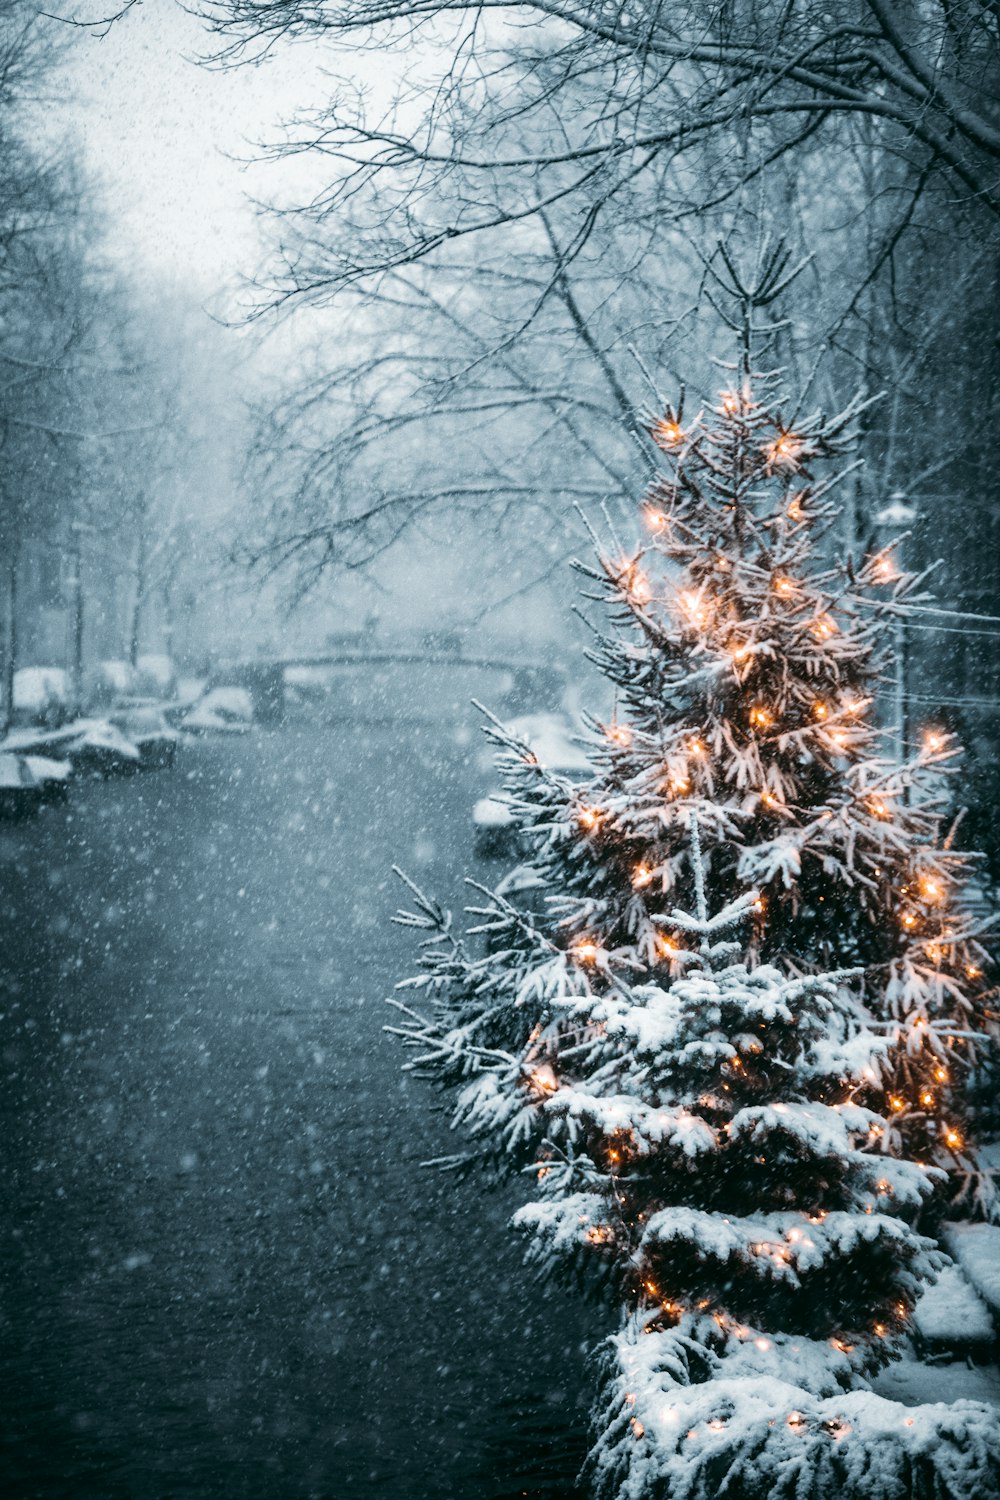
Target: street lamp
pixel 893 522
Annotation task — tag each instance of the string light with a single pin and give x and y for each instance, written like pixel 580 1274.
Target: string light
pixel 784 450
pixel 931 888
pixel 730 403
pixel 820 709
pixel 589 817
pixel 621 734
pixel 896 1103
pixel 784 587
pixel 586 952
pixel 941 1074
pixel 823 627
pixel 641 876
pixel 934 741
pixel 883 569
pixel 760 718
pixel 908 920
pixel 693 607
pixel 697 746
pixel 971 972
pixel 656 519
pixel 953 1138
pixel 795 511
pixel 796 1420
pixel 668 432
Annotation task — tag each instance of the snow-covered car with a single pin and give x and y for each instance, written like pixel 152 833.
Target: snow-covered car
pixel 224 709
pixel 550 738
pixel 41 693
pixel 93 747
pixel 53 776
pixel 20 792
pixel 147 729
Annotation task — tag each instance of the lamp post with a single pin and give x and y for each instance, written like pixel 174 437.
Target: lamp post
pixel 893 522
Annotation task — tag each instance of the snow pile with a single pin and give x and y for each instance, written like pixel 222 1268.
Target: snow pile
pixel 949 1312
pixel 683 1421
pixel 976 1247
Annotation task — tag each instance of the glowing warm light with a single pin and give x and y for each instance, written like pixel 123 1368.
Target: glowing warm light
pixel 586 952
pixel 716 1424
pixel 620 734
pixel 839 1344
pixel 762 1344
pixel 544 1080
pixel 933 952
pixel 784 586
pixel 941 1074
pixel 934 741
pixel 600 1234
pixel 840 738
pixel 784 450
pixel 691 1433
pixel 740 653
pixel 854 706
pixel 697 746
pixel 760 718
pixel 926 1098
pixel 760 904
pixel 666 948
pixel 767 800
pixel 589 817
pixel 953 1138
pixel 908 920
pixel 896 1103
pixel 637 1427
pixel 668 433
pixel 884 569
pixel 655 519
pixel 641 876
pixel 679 783
pixel 730 402
pixel 880 1330
pixel 796 1420
pixel 795 511
pixel 693 607
pixel 971 972
pixel 878 809
pixel 823 627
pixel 931 888
pixel 820 709
pixel 884 1187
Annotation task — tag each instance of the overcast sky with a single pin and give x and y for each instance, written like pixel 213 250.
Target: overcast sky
pixel 158 133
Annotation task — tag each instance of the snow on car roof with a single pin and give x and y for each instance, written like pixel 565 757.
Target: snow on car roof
pixel 550 738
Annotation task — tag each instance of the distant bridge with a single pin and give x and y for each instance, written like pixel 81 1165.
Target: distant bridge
pixel 534 682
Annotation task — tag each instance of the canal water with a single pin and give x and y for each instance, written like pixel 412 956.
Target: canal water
pixel 223 1269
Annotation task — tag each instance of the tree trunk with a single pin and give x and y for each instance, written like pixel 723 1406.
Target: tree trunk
pixel 9 662
pixel 138 598
pixel 77 619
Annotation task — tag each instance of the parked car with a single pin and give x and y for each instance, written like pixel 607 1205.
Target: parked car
pixel 20 791
pixel 550 738
pixel 227 710
pixel 145 727
pixel 92 746
pixel 53 776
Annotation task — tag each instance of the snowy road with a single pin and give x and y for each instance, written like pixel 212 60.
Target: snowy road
pixel 223 1272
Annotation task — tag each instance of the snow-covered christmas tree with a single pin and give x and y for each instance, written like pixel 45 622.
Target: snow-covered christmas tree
pixel 698 1148
pixel 747 994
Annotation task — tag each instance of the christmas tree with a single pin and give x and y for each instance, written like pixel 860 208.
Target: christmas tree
pixel 698 1148
pixel 722 1129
